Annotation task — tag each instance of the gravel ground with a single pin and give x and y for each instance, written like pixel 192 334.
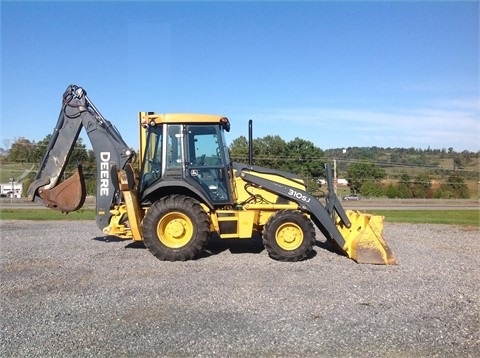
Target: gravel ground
pixel 67 292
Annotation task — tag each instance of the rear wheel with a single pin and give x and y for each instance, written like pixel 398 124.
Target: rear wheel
pixel 176 228
pixel 289 236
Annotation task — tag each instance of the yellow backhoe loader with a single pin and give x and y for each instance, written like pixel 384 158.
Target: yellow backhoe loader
pixel 186 189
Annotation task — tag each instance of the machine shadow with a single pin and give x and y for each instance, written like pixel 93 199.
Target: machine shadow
pixel 324 245
pixel 253 245
pixel 216 245
pixel 112 238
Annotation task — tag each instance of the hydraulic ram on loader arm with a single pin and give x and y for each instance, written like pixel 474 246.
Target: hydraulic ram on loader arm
pixel 111 154
pixel 354 234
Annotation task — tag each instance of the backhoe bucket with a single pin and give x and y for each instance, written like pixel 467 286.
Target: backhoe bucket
pixel 67 196
pixel 364 242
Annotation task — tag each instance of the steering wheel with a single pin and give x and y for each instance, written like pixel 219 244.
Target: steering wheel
pixel 156 167
pixel 201 160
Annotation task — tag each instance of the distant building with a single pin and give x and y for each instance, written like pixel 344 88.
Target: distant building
pixel 11 190
pixel 341 182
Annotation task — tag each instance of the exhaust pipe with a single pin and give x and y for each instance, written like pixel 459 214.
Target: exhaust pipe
pixel 250 143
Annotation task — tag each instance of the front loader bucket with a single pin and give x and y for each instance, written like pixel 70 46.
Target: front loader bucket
pixel 364 242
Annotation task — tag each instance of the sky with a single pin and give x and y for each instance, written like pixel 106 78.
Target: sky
pixel 336 73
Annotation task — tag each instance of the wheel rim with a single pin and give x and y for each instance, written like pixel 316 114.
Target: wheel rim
pixel 175 230
pixel 289 236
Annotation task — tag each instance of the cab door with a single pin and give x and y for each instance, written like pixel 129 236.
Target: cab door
pixel 206 162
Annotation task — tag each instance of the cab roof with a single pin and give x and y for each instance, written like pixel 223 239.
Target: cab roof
pixel 160 118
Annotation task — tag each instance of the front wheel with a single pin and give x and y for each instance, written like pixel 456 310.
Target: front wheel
pixel 289 236
pixel 176 228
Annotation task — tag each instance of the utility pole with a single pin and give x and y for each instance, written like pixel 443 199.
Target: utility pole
pixel 12 181
pixel 335 175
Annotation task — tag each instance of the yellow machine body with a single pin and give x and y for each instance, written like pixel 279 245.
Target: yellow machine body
pixel 254 206
pixel 183 188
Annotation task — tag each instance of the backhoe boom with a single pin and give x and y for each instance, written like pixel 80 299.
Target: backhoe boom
pixel 111 154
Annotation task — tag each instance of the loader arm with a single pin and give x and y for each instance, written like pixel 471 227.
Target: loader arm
pixel 361 240
pixel 321 216
pixel 111 154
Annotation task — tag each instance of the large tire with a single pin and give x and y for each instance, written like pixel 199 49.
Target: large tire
pixel 176 228
pixel 289 236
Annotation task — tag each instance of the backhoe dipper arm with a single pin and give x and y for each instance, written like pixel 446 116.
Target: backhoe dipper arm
pixel 111 153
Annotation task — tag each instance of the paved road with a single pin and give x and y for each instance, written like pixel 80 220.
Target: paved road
pixel 23 203
pixel 365 204
pixel 412 204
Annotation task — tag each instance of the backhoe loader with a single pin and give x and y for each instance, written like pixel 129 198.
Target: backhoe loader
pixel 186 189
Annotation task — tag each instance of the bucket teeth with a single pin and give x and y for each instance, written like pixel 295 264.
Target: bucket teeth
pixel 364 240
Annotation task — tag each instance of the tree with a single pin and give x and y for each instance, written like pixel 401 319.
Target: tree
pixel 22 151
pixel 421 186
pixel 371 189
pixel 455 187
pixel 403 188
pixel 270 152
pixel 403 191
pixel 307 158
pixel 405 179
pixel 239 149
pixel 3 155
pixel 391 191
pixel 362 172
pixel 297 156
pixel 459 161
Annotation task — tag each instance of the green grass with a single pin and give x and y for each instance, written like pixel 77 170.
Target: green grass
pixel 449 217
pixel 14 170
pixel 45 214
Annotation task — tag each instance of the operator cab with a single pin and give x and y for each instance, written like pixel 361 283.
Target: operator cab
pixel 191 154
